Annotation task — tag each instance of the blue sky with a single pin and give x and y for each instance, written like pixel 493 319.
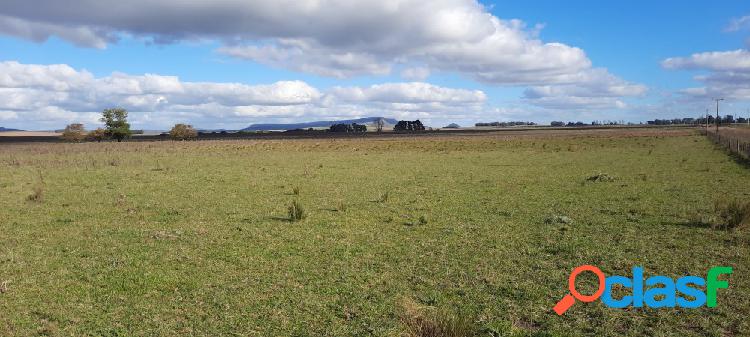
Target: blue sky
pixel 238 63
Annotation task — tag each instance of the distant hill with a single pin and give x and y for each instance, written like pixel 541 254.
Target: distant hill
pixel 6 129
pixel 318 124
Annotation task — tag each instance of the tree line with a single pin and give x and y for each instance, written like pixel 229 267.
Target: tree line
pixel 117 128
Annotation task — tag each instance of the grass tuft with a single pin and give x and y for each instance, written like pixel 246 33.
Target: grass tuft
pixel 296 211
pixel 422 321
pixel 558 219
pixel 37 195
pixel 731 214
pixel 601 177
pixel 384 197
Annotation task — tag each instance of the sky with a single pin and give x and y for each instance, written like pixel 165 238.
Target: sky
pixel 231 63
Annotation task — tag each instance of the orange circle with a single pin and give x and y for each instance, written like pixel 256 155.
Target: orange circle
pixel 572 283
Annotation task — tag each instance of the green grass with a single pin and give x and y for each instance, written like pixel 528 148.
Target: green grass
pixel 144 239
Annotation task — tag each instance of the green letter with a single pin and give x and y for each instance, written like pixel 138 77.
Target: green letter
pixel 713 283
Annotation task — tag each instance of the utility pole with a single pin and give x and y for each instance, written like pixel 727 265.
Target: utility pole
pixel 706 121
pixel 717 113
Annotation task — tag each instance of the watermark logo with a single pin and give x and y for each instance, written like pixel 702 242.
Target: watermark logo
pixel 654 292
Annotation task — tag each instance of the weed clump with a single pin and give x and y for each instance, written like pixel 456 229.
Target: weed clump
pixel 731 214
pixel 37 195
pixel 296 211
pixel 295 190
pixel 383 197
pixel 601 177
pixel 558 219
pixel 426 322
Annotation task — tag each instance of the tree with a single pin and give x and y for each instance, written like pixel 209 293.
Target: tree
pixel 409 126
pixel 97 135
pixel 74 133
pixel 183 132
pixel 116 123
pixel 379 124
pixel 354 127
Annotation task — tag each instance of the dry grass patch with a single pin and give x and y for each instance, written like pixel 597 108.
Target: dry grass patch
pixel 296 211
pixel 732 214
pixel 423 321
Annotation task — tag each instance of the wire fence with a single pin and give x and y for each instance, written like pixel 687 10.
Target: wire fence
pixel 736 142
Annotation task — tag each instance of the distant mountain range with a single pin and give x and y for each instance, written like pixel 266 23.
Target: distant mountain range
pixel 318 124
pixel 6 129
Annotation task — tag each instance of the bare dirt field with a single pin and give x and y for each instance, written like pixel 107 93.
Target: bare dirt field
pixel 28 134
pixel 621 131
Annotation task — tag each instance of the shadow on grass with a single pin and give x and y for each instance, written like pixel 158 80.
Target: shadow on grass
pixel 280 218
pixel 736 157
pixel 691 224
pixel 742 161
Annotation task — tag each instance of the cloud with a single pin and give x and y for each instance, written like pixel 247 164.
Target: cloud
pixel 481 46
pixel 296 55
pixel 595 89
pixel 81 36
pixel 735 60
pixel 416 73
pixel 738 24
pixel 337 38
pixel 414 92
pixel 52 95
pixel 728 73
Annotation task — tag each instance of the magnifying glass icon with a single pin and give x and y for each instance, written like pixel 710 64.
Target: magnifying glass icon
pixel 569 299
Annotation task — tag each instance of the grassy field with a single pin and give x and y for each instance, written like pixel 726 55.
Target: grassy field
pixel 172 239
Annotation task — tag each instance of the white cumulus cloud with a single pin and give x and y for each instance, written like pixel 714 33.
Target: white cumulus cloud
pixel 337 38
pixel 727 73
pixel 332 38
pixel 52 95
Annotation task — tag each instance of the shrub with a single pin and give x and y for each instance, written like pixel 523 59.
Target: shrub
pixel 296 211
pixel 427 322
pixel 97 135
pixel 74 133
pixel 732 213
pixel 422 220
pixel 183 132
